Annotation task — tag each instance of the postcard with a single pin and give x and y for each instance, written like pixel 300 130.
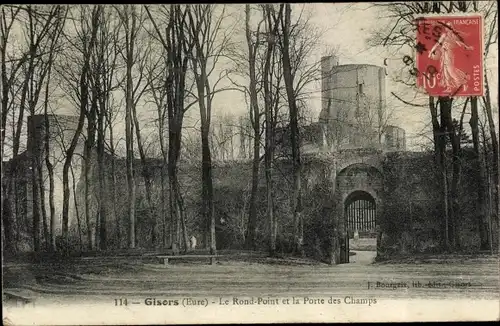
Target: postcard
pixel 250 163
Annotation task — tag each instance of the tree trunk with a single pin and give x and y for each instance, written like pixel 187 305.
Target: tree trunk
pixel 176 203
pixel 145 175
pixel 8 219
pixel 269 189
pixel 255 120
pixel 129 136
pixel 495 166
pixel 4 89
pixel 269 154
pixel 41 193
pixel 130 167
pixel 117 219
pixel 163 205
pixel 481 173
pixel 36 202
pixel 270 130
pixel 448 126
pixel 174 217
pixel 77 213
pixel 89 171
pixel 50 171
pixel 252 212
pixel 440 159
pixel 182 217
pixel 66 194
pixel 91 237
pixel 102 201
pixel 207 188
pixel 294 132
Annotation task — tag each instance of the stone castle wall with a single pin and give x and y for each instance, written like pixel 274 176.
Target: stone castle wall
pixel 408 204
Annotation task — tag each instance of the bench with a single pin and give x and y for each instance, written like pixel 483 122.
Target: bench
pixel 165 259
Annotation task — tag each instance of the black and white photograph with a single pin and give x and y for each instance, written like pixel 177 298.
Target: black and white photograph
pixel 249 163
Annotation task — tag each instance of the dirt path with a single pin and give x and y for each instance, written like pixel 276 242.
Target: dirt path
pixel 98 280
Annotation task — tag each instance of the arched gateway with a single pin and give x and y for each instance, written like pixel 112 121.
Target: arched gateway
pixel 358 189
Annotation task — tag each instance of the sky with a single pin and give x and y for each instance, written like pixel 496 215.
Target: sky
pixel 347 27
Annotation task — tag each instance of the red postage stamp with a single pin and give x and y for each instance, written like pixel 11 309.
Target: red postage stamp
pixel 449 55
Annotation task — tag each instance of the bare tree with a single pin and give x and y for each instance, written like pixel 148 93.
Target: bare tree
pixel 54 38
pixel 36 74
pixel 255 117
pixel 155 70
pixel 131 22
pixel 78 82
pixel 271 85
pixel 247 64
pixel 298 39
pixel 288 76
pixel 177 46
pixel 139 87
pixel 105 60
pixel 210 43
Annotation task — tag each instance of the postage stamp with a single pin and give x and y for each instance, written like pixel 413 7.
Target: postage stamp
pixel 449 55
pixel 249 163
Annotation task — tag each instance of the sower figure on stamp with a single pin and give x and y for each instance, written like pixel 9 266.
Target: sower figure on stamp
pixel 451 77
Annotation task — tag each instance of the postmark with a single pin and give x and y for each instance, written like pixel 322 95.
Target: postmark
pixel 449 55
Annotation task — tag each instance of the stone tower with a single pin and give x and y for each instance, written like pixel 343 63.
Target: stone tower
pixel 353 104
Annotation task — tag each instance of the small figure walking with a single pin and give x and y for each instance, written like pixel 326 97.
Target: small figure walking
pixel 356 235
pixel 192 242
